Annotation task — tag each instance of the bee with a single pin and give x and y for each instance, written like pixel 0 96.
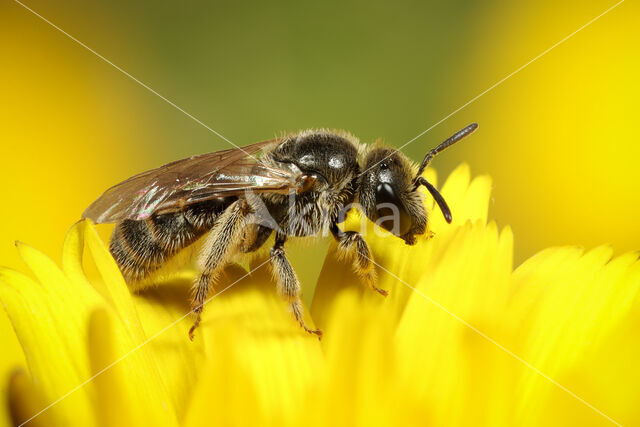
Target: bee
pixel 299 185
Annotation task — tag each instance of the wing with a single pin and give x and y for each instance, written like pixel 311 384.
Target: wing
pixel 191 180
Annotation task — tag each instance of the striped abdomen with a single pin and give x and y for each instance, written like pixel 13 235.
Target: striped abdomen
pixel 142 246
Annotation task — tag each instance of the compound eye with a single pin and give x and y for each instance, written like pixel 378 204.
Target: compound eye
pixel 392 215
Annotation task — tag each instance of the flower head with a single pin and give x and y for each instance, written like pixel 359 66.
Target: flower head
pixel 461 339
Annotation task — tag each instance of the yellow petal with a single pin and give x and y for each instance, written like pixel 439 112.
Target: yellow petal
pixel 25 400
pixel 454 190
pixel 72 253
pixel 579 300
pixel 116 289
pixel 178 359
pixel 450 298
pixel 140 362
pixel 360 382
pixel 468 200
pixel 11 358
pixel 257 355
pixel 122 396
pixel 70 300
pixel 51 351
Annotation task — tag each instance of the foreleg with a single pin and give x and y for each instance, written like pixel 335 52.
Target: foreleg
pixel 352 245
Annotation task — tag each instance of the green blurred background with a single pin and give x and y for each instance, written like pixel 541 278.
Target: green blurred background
pixel 559 138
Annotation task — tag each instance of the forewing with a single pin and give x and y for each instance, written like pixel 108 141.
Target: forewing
pixel 187 181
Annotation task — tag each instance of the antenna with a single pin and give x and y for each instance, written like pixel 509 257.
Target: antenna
pixel 442 204
pixel 447 143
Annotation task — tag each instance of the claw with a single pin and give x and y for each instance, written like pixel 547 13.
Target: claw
pixel 317 332
pixel 194 327
pixel 382 292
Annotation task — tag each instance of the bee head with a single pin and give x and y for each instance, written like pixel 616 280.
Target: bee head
pixel 389 194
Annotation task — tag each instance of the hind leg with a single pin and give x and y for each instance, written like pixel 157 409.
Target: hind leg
pixel 288 284
pixel 220 244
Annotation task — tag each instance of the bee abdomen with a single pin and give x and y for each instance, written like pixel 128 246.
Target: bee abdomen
pixel 142 246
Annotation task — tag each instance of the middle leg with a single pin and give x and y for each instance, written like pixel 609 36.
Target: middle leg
pixel 288 284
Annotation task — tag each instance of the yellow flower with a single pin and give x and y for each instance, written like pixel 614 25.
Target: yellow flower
pixel 462 338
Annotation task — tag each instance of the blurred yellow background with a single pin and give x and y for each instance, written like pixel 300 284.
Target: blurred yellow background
pixel 558 137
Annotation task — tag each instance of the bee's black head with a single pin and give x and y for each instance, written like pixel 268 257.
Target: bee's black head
pixel 388 189
pixel 388 195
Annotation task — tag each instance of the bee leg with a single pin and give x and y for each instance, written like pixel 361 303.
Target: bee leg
pixel 254 240
pixel 351 243
pixel 219 244
pixel 288 284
